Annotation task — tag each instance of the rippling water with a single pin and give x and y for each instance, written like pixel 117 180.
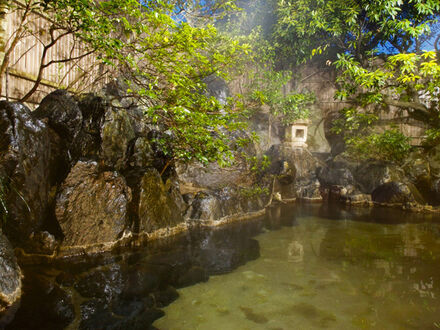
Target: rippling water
pixel 330 269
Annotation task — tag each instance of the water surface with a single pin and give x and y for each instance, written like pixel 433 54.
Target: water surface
pixel 300 267
pixel 328 268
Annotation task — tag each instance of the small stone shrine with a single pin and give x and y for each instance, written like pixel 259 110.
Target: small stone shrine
pixel 296 134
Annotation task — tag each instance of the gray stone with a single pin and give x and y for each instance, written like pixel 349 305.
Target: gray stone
pixel 335 174
pixel 212 176
pixel 217 88
pixel 370 175
pixel 298 163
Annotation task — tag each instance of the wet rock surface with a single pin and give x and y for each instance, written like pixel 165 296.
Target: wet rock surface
pixel 212 176
pixel 92 205
pixel 117 134
pixel 296 170
pixel 220 203
pixel 54 309
pixel 393 192
pixel 10 279
pixel 82 170
pixel 159 207
pixel 88 141
pixel 370 175
pixel 62 113
pixel 25 168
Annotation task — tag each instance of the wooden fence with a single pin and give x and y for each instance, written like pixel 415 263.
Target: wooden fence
pixel 83 73
pixel 321 81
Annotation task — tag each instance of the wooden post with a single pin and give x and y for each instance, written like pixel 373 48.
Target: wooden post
pixel 3 37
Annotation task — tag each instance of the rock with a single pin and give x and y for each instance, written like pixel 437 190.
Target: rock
pixel 316 140
pixel 10 279
pixel 433 159
pixel 143 153
pixel 269 131
pixel 194 275
pixel 45 305
pixel 370 175
pixel 165 297
pixel 217 204
pixel 304 169
pixel 62 113
pixel 88 142
pixel 393 192
pixel 217 88
pixel 42 243
pixel 138 314
pixel 435 187
pixel 221 253
pixel 159 205
pixel 423 172
pixel 356 199
pixel 205 206
pixel 253 202
pixel 117 135
pixel 336 141
pixel 212 176
pixel 25 168
pixel 335 174
pixel 91 206
pixel 95 314
pixel 104 283
pixel 310 191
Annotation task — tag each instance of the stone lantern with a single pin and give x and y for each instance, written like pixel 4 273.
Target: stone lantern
pixel 296 135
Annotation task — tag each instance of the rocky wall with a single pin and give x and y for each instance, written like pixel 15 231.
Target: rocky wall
pixel 81 174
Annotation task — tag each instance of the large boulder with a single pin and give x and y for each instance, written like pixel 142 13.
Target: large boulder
pixel 88 141
pixel 45 304
pixel 92 205
pixel 228 201
pixel 422 169
pixel 212 176
pixel 205 206
pixel 297 167
pixel 160 204
pixel 335 174
pixel 117 135
pixel 395 193
pixel 10 279
pixel 25 169
pixel 270 132
pixel 63 114
pixel 372 174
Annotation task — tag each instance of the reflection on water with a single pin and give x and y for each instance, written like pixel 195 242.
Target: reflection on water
pixel 300 267
pixel 127 291
pixel 325 267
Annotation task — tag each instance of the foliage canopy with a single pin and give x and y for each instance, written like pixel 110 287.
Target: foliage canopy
pixel 163 59
pixel 377 49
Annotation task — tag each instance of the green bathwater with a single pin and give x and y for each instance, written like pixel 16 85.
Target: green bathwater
pixel 333 274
